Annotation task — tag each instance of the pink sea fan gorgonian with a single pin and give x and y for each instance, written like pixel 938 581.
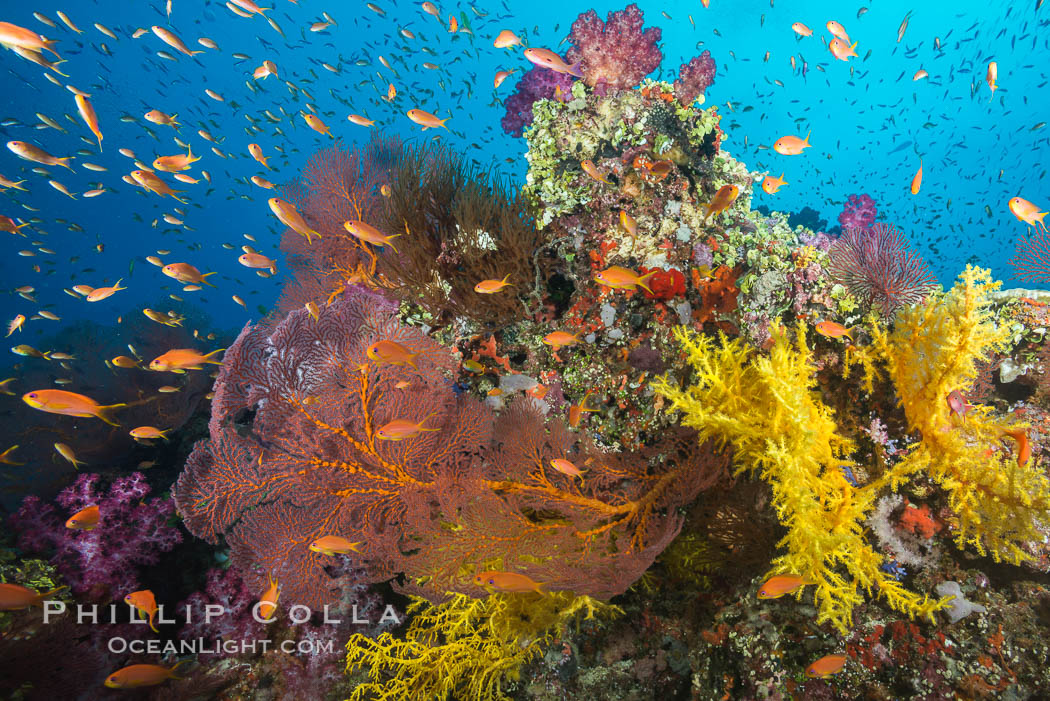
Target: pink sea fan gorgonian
pixel 879 269
pixel 1031 261
pixel 616 53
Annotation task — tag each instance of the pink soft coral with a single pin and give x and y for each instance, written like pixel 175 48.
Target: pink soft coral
pixel 616 53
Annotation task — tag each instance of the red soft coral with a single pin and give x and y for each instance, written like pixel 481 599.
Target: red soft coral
pixel 616 53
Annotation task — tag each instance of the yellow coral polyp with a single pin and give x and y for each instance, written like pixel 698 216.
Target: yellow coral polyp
pixel 768 409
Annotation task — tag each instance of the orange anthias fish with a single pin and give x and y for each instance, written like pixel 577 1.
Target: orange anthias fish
pixel 361 121
pixel 290 217
pixel 158 117
pixel 837 30
pixel 29 152
pixel 368 233
pixel 992 76
pixel 391 352
pixel 317 125
pixel 957 403
pixel 84 520
pixel 145 433
pixel 1024 448
pixel 59 401
pixel 841 50
pixel 139 675
pixel 268 601
pixel 576 411
pixel 722 200
pixel 770 185
pixel 509 582
pixel 566 467
pixel 145 603
pixel 545 58
pixel 12 35
pixel 14 597
pixel 176 163
pixel 100 293
pixel 183 359
pixel 256 151
pixel 169 38
pixel 781 584
pixel 334 545
pixel 590 169
pixel 506 39
pixel 826 666
pixel 629 223
pixel 560 339
pixel 399 429
pixel 488 287
pixel 258 261
pixel 831 329
pixel 66 452
pixel 623 279
pixel 154 184
pixel 916 182
pixel 87 113
pixel 1027 212
pixel 426 120
pixel 186 274
pixel 16 324
pixel 791 145
pixel 801 29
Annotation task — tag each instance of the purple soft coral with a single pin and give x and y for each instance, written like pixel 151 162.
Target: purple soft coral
pixel 102 563
pixel 858 213
pixel 694 78
pixel 537 84
pixel 616 53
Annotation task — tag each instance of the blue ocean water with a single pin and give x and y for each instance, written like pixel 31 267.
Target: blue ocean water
pixel 870 122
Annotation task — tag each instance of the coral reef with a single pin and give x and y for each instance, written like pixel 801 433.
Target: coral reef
pixel 616 53
pixel 858 212
pixel 535 84
pixel 103 563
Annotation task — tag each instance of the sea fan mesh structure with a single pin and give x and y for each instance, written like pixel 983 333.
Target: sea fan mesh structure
pixel 1031 261
pixel 879 269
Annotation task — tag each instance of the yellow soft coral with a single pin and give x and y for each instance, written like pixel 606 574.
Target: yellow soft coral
pixel 767 407
pixel 931 351
pixel 465 647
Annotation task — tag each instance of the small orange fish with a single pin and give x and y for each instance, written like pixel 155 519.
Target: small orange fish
pixel 59 401
pixel 590 169
pixel 1027 212
pixel 992 76
pixel 145 603
pixel 957 403
pixel 488 287
pixel 399 429
pixel 391 352
pixel 426 120
pixel 566 467
pixel 841 50
pixel 723 200
pixel 781 584
pixel 791 145
pixel 545 58
pixel 66 452
pixel 916 182
pixel 629 223
pixel 139 675
pixel 290 217
pixel 623 279
pixel 1024 448
pixel 560 339
pixel 315 123
pixel 186 274
pixel 172 40
pixel 268 601
pixel 176 163
pixel 84 520
pixel 576 411
pixel 770 185
pixel 16 324
pixel 837 30
pixel 13 35
pixel 920 74
pixel 453 24
pixel 369 234
pixel 158 117
pixel 801 29
pixel 360 121
pixel 830 329
pixel 509 582
pixel 506 39
pixel 182 359
pixel 14 597
pixel 154 184
pixel 826 666
pixel 87 113
pixel 100 293
pixel 145 433
pixel 334 545
pixel 258 261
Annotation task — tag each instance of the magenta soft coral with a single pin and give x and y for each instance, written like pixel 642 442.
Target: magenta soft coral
pixel 858 213
pixel 616 53
pixel 103 563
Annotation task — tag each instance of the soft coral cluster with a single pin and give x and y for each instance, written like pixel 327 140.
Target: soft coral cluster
pixel 536 84
pixel 616 53
pixel 102 563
